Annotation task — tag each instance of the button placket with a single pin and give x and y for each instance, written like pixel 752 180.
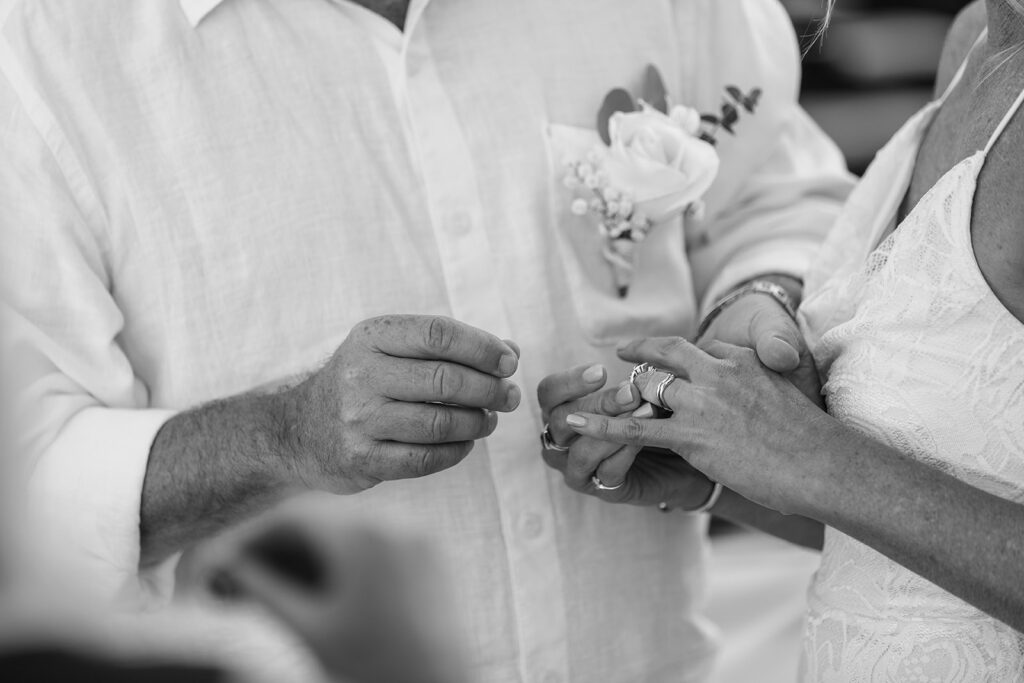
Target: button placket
pixel 476 297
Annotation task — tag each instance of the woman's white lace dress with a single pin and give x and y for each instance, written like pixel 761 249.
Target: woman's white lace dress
pixel 919 353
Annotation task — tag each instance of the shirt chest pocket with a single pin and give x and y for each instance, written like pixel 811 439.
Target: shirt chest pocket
pixel 660 300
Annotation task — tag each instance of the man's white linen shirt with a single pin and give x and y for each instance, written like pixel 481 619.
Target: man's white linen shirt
pixel 203 198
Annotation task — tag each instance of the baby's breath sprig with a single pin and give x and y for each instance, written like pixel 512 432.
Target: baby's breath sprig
pixel 619 218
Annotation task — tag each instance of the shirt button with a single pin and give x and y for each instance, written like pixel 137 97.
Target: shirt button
pixel 533 525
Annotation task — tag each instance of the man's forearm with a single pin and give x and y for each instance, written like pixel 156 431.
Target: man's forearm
pixel 211 467
pixel 801 531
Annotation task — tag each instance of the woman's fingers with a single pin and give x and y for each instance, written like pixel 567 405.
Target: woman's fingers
pixel 648 385
pixel 611 401
pixel 570 385
pixel 629 431
pixel 674 354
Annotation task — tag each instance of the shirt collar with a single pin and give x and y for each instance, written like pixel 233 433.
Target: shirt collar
pixel 195 10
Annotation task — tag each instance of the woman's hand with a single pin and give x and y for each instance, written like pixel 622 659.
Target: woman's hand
pixel 636 478
pixel 733 419
pixel 759 322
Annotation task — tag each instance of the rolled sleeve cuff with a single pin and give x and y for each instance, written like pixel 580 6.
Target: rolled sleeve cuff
pixel 791 258
pixel 86 492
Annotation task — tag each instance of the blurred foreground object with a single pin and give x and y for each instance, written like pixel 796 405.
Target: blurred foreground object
pixel 371 604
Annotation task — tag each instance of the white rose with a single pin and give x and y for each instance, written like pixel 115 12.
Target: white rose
pixel 659 161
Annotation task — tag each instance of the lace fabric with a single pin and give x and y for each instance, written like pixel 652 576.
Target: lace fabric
pixel 919 353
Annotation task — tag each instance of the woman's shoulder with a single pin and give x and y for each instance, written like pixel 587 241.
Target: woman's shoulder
pixel 961 38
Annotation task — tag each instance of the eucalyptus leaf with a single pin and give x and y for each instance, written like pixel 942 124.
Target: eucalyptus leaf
pixel 615 101
pixel 654 92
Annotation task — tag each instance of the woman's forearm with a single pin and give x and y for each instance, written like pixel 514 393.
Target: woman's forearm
pixel 967 541
pixel 800 531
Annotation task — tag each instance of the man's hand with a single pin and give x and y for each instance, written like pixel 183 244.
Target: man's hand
pixel 759 322
pixel 403 397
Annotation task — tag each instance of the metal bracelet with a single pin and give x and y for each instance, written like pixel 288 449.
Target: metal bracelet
pixel 766 287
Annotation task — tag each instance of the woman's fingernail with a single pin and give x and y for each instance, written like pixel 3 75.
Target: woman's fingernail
pixel 576 421
pixel 624 396
pixel 595 373
pixel 644 412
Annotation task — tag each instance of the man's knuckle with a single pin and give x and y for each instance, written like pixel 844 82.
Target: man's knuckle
pixel 446 382
pixel 441 335
pixel 421 461
pixel 440 426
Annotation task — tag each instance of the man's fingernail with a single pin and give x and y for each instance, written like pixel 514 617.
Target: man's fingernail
pixel 785 348
pixel 593 374
pixel 515 347
pixel 513 398
pixel 624 396
pixel 507 365
pixel 492 419
pixel 576 421
pixel 644 412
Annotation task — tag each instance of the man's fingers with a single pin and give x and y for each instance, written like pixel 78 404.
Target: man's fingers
pixel 630 431
pixel 614 469
pixel 570 385
pixel 776 337
pixel 613 401
pixel 674 354
pixel 423 423
pixel 440 338
pixel 556 460
pixel 584 458
pixel 417 381
pixel 409 461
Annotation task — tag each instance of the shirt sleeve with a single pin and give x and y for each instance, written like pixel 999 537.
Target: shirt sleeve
pixel 782 182
pixel 83 424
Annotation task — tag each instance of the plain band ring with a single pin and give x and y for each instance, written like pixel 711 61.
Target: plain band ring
pixel 669 378
pixel 600 485
pixel 548 443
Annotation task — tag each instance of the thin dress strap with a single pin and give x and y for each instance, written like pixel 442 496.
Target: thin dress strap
pixel 963 66
pixel 1001 128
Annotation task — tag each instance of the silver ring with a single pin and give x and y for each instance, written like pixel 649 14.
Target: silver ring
pixel 548 443
pixel 669 378
pixel 600 486
pixel 641 369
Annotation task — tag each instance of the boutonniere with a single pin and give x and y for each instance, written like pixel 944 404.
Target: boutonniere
pixel 657 162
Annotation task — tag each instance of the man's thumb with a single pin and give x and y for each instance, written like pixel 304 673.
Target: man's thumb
pixel 778 341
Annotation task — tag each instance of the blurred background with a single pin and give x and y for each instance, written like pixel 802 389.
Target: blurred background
pixel 873 70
